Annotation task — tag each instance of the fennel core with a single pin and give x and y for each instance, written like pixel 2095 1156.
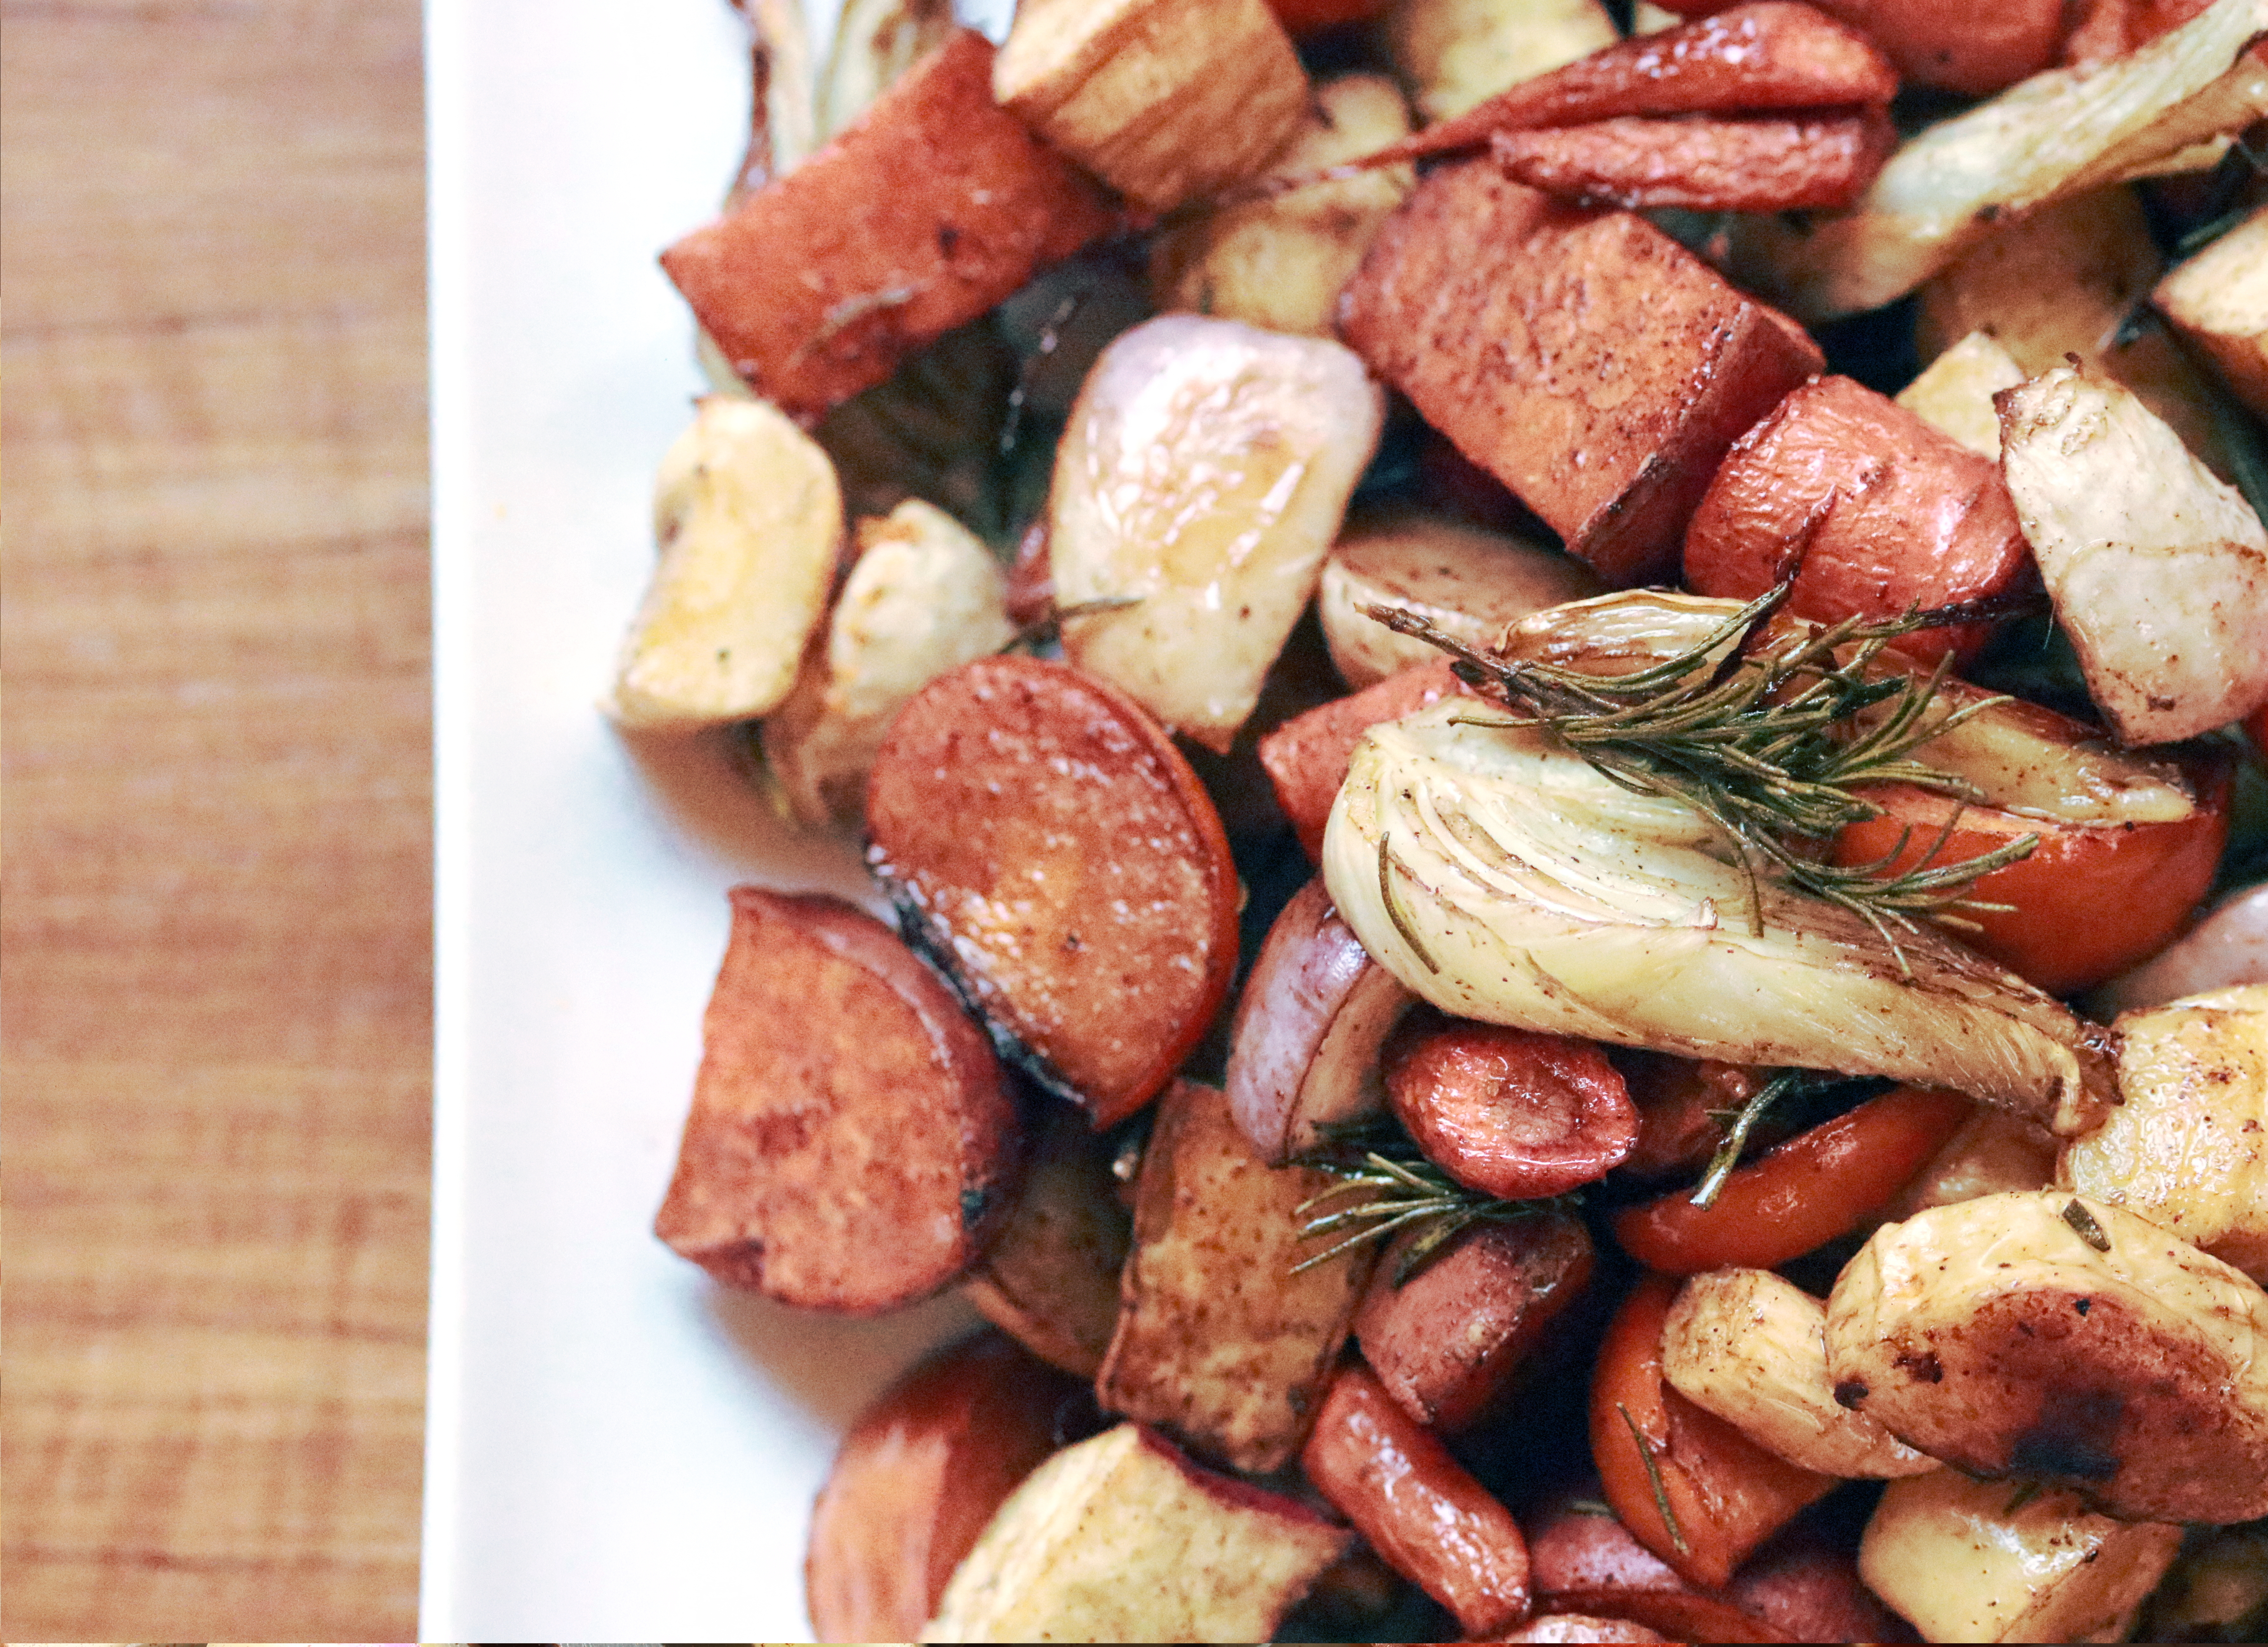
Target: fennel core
pixel 1769 745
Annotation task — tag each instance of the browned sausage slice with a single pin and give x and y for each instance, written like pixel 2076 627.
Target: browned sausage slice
pixel 1307 757
pixel 916 1480
pixel 851 1141
pixel 1047 844
pixel 1510 1112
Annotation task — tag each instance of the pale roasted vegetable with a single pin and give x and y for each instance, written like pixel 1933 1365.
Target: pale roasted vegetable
pixel 1752 1349
pixel 750 520
pixel 1204 475
pixel 1280 261
pixel 2158 573
pixel 1455 54
pixel 2060 1338
pixel 924 596
pixel 2219 301
pixel 875 41
pixel 1120 1537
pixel 1955 392
pixel 2228 947
pixel 1980 1561
pixel 2055 135
pixel 1468 581
pixel 2188 1149
pixel 1506 882
pixel 1995 1151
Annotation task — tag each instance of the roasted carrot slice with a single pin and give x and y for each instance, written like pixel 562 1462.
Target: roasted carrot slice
pixel 1306 759
pixel 1046 844
pixel 2091 900
pixel 1811 163
pixel 1432 1521
pixel 1692 1488
pixel 1798 1194
pixel 851 1143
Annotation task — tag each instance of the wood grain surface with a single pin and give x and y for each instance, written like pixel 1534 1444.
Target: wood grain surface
pixel 214 991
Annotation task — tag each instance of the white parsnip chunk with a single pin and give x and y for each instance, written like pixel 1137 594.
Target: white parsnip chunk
pixel 1120 1537
pixel 2188 1148
pixel 1752 1349
pixel 750 520
pixel 1204 475
pixel 1454 54
pixel 1977 1562
pixel 1955 392
pixel 2158 571
pixel 1992 1153
pixel 2218 301
pixel 924 597
pixel 2058 1337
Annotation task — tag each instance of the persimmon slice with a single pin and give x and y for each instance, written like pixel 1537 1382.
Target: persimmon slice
pixel 851 1143
pixel 1048 846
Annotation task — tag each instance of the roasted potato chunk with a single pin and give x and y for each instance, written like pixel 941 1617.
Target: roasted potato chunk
pixel 2219 301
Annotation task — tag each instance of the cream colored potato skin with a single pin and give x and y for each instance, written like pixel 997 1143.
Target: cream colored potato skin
pixel 1955 392
pixel 1996 1335
pixel 2218 299
pixel 924 596
pixel 1470 582
pixel 1121 1538
pixel 1752 1349
pixel 1279 262
pixel 1965 1561
pixel 750 520
pixel 1204 472
pixel 2158 571
pixel 1454 54
pixel 2188 1149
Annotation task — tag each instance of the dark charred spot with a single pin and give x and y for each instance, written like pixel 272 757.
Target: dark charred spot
pixel 1923 1369
pixel 973 1203
pixel 2082 1305
pixel 1849 1393
pixel 947 239
pixel 2070 1442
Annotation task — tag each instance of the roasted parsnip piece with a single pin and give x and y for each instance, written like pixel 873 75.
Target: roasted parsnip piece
pixel 1454 54
pixel 2219 301
pixel 1993 1152
pixel 1216 1338
pixel 1954 394
pixel 750 520
pixel 2158 571
pixel 2058 1337
pixel 2188 1149
pixel 1280 261
pixel 1752 1349
pixel 924 596
pixel 1468 582
pixel 1165 99
pixel 1970 1561
pixel 1203 476
pixel 1121 1538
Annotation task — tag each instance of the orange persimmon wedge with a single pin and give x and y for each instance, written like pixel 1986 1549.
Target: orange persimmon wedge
pixel 1798 1194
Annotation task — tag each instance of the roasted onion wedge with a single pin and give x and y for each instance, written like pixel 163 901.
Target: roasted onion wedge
pixel 1506 881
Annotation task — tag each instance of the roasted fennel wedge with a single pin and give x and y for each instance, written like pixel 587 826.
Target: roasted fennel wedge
pixel 1506 880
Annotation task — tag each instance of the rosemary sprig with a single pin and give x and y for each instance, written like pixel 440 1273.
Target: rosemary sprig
pixel 1403 1191
pixel 1770 746
pixel 1736 1135
pixel 1653 1478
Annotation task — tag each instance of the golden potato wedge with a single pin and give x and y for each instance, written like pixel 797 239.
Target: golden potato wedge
pixel 2219 301
pixel 2158 571
pixel 1752 1349
pixel 1216 1338
pixel 1280 261
pixel 924 597
pixel 1120 1537
pixel 1953 393
pixel 1463 578
pixel 750 520
pixel 1455 54
pixel 1206 472
pixel 1165 99
pixel 2188 1149
pixel 1049 1278
pixel 2060 1338
pixel 1968 1561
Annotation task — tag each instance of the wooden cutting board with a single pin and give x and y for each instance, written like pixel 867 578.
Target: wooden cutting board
pixel 215 989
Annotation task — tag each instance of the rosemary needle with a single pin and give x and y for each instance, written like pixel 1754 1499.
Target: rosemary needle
pixel 1653 1476
pixel 1403 1190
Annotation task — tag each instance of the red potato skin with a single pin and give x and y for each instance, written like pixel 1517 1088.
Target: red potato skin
pixel 1446 1342
pixel 1510 1112
pixel 851 1143
pixel 1588 361
pixel 1419 1509
pixel 1727 1494
pixel 1876 510
pixel 1816 163
pixel 2090 903
pixel 1752 59
pixel 2112 28
pixel 1799 1195
pixel 917 1478
pixel 1306 758
pixel 925 212
pixel 1015 785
